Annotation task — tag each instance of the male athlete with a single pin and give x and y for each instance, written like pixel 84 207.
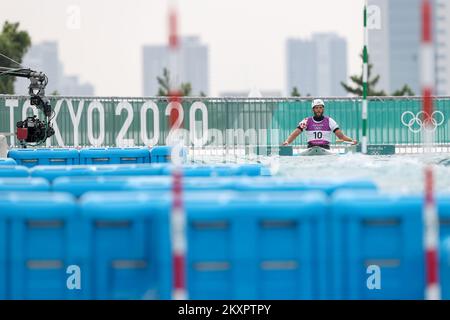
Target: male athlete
pixel 318 128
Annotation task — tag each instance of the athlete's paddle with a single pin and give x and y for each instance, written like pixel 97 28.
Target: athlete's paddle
pixel 345 142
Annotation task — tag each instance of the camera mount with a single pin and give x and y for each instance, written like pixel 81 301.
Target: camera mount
pixel 32 129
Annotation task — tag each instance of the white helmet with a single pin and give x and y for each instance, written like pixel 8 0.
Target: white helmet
pixel 317 102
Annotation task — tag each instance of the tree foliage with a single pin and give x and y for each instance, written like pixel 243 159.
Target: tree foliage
pixel 14 43
pixel 164 85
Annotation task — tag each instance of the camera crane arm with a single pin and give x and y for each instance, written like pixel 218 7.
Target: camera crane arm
pixel 23 72
pixel 36 90
pixel 33 129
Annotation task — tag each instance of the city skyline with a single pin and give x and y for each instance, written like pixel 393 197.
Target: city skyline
pixel 246 38
pixel 44 57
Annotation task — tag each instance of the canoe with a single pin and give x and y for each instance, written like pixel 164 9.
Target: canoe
pixel 316 151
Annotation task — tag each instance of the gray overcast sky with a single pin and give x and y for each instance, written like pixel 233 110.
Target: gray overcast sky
pixel 246 38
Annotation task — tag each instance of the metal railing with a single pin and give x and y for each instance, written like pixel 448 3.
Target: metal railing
pixel 220 122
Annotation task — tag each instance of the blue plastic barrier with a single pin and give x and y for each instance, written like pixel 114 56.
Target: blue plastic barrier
pixel 445 268
pixel 377 238
pixel 204 171
pixel 218 170
pixel 354 185
pixel 106 178
pixel 52 172
pixel 3 256
pixel 123 258
pixel 78 186
pixel 163 154
pixel 24 184
pixel 14 171
pixel 34 157
pixel 444 233
pixel 251 170
pixel 256 247
pixel 7 162
pixel 42 234
pixel 209 184
pixel 131 170
pixel 288 184
pixel 100 156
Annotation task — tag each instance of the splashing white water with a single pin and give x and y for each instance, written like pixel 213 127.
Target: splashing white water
pixel 400 174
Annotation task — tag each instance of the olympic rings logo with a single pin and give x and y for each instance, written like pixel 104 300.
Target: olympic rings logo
pixel 416 123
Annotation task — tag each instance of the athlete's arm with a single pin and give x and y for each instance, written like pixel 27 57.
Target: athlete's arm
pixel 292 136
pixel 343 137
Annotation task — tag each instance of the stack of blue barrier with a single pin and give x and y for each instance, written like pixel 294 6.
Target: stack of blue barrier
pixel 34 157
pixel 163 154
pixel 95 156
pixel 242 245
pixel 51 173
pixel 91 156
pixel 256 245
pixel 377 231
pixel 39 232
pixel 123 255
pixel 248 236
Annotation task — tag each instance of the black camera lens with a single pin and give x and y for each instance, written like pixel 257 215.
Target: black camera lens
pixel 34 101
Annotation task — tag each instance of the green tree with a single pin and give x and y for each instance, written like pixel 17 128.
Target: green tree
pixel 295 92
pixel 14 43
pixel 357 88
pixel 186 89
pixel 164 85
pixel 405 91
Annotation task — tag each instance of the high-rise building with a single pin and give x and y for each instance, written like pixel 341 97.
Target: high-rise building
pixel 394 45
pixel 317 66
pixel 41 57
pixel 442 46
pixel 379 52
pixel 45 57
pixel 193 65
pixel 71 86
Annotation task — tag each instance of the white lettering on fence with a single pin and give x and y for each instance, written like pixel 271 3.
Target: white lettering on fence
pixel 120 140
pixel 144 135
pixel 11 104
pixel 173 133
pixel 198 142
pixel 96 105
pixel 75 117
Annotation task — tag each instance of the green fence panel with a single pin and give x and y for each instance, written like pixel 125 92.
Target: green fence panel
pixel 123 121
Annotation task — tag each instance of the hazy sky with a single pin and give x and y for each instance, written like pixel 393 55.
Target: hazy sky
pixel 246 38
